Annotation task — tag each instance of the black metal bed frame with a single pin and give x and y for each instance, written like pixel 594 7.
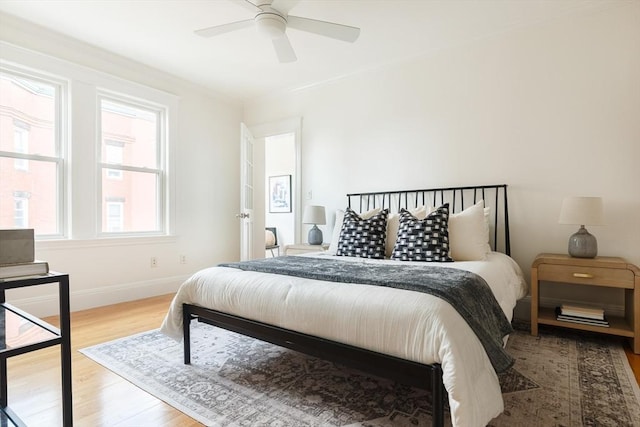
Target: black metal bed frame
pixel 405 371
pixel 455 196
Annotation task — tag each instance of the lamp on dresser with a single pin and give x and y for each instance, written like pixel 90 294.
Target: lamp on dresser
pixel 314 215
pixel 582 211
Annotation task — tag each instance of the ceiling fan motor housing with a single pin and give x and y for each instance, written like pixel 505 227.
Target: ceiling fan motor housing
pixel 270 24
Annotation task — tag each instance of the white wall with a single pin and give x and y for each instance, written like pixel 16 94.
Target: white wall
pixel 206 170
pixel 551 110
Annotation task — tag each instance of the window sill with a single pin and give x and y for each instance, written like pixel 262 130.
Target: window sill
pixel 102 243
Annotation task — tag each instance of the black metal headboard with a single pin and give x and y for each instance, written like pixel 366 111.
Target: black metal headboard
pixel 459 198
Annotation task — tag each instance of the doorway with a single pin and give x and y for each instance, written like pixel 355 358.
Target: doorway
pixel 279 142
pixel 280 173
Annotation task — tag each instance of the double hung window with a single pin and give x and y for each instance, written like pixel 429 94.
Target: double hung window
pixel 31 153
pixel 83 156
pixel 131 166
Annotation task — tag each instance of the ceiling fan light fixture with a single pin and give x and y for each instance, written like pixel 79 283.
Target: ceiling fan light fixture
pixel 270 24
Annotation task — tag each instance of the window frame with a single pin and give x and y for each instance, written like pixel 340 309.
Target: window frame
pixel 20 145
pixel 112 173
pixel 160 171
pixel 59 159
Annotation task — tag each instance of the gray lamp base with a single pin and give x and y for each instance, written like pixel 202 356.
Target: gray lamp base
pixel 315 235
pixel 583 244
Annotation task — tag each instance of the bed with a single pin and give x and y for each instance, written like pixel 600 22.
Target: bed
pixel 413 337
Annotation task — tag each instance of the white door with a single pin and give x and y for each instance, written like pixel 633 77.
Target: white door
pixel 246 193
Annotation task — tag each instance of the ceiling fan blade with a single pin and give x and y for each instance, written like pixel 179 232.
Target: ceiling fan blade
pixel 284 50
pixel 224 28
pixel 247 5
pixel 324 28
pixel 284 6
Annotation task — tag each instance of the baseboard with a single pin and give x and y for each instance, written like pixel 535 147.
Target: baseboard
pixel 96 297
pixel 523 307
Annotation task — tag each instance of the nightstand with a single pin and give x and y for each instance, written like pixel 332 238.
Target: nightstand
pixel 304 249
pixel 607 272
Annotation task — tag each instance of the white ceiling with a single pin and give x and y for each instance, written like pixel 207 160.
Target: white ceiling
pixel 243 65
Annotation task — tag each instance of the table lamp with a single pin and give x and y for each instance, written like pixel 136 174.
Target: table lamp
pixel 314 215
pixel 582 211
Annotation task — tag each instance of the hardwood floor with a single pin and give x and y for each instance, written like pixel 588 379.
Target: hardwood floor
pixel 634 361
pixel 101 398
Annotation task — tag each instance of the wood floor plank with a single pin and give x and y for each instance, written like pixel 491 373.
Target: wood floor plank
pixel 102 398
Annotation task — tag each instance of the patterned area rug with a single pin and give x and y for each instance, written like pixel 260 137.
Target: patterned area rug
pixel 558 380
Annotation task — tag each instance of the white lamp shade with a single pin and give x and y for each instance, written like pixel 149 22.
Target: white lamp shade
pixel 314 215
pixel 582 211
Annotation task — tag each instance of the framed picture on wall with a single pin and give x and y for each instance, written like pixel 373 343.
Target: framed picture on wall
pixel 280 193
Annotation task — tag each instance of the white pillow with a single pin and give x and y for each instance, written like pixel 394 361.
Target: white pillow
pixel 393 223
pixel 487 225
pixel 468 234
pixel 269 238
pixel 335 237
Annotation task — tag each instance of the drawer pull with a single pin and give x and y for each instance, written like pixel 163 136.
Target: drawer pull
pixel 583 275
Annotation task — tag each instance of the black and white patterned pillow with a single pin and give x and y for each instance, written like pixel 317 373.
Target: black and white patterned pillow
pixel 423 239
pixel 364 238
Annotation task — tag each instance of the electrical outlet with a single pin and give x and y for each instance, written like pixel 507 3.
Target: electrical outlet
pixel 183 259
pixel 154 262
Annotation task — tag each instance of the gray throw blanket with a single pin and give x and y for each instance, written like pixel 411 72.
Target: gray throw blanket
pixel 467 292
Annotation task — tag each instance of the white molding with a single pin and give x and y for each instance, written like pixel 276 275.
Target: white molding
pixel 47 305
pixel 103 242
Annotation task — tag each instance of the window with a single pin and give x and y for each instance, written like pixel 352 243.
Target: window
pixel 131 147
pixel 88 152
pixel 31 160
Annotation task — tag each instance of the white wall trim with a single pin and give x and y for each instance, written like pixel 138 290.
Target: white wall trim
pixel 103 242
pixel 47 305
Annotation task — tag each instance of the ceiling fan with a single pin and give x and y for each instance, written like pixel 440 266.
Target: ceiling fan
pixel 272 21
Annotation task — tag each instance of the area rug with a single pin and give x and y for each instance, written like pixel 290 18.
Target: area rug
pixel 558 380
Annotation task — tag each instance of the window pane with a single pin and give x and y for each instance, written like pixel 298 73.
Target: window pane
pixel 113 154
pixel 115 216
pixel 27 116
pixel 29 198
pixel 21 212
pixel 130 203
pixel 133 131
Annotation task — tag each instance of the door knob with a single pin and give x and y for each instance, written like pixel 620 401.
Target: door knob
pixel 242 215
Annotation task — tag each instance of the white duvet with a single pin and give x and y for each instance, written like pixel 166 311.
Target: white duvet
pixel 406 324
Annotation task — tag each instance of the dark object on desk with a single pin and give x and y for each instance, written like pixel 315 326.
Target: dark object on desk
pixel 23 269
pixel 16 246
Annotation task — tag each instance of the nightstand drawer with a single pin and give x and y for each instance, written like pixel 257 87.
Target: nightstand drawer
pixel 304 249
pixel 612 277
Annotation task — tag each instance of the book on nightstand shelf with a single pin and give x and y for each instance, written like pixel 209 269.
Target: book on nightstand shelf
pixel 581 311
pixel 560 315
pixel 34 268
